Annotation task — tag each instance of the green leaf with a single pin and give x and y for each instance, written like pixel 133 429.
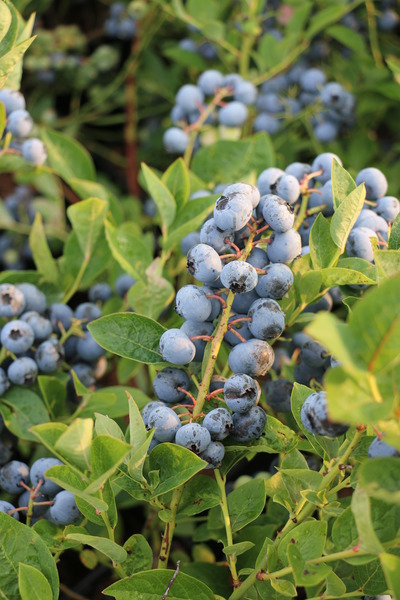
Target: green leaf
pixel 338 276
pixel 129 335
pixel 175 464
pixel 21 410
pixel 276 437
pixel 20 544
pixel 380 478
pixel 284 587
pixel 3 121
pixel 307 286
pixel 346 215
pixel 342 183
pixel 151 585
pixel 67 157
pixel 387 263
pixel 9 61
pixel 106 454
pixel 32 584
pixel 360 507
pixel 5 20
pixel 71 262
pixel 176 178
pixel 43 259
pixel 305 574
pixel 394 240
pixel 328 16
pixel 137 429
pixel 347 37
pixel 246 503
pixel 106 426
pixel 199 494
pixel 107 547
pixel 87 221
pixel 334 585
pixel 76 483
pixel 237 549
pixel 309 537
pixel 391 568
pixel 188 219
pixel 151 297
pixel 161 195
pixel 128 249
pixel 54 393
pixel 140 555
pixel 74 443
pixel 323 249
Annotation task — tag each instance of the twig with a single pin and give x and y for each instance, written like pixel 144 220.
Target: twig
pixel 171 581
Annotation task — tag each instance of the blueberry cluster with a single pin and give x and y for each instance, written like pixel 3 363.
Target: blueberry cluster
pixel 37 496
pixel 20 125
pixel 120 24
pixel 15 252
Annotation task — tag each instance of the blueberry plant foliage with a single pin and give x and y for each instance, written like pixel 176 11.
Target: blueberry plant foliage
pixel 203 403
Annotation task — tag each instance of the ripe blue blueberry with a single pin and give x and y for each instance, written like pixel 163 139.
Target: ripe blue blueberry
pixel 368 218
pixel 333 95
pixel 232 212
pixel 242 302
pixel 326 131
pixel 191 303
pixel 323 162
pixel 190 240
pixel 388 207
pixel 204 263
pixel 233 114
pixel 257 258
pixel 315 418
pixel 123 284
pixel 376 184
pixel 278 213
pixel 64 510
pixel 84 373
pixel 312 80
pixel 245 92
pixel 276 282
pixel 7 507
pixel 248 426
pixel 176 347
pixel 189 98
pixel 288 188
pixel 87 312
pixel 60 314
pixel 165 422
pixel 277 84
pixel 313 353
pixel 268 123
pixel 41 327
pixel 219 423
pixel 268 179
pixel 209 81
pixel 379 448
pixel 298 170
pixel 278 393
pixel 20 123
pixel 37 475
pixel 241 392
pixel 34 151
pixel 12 300
pixel 242 327
pixel 214 237
pixel 88 349
pixel 243 188
pixel 216 305
pixel 12 475
pixel 270 103
pixel 17 336
pixel 23 371
pixel 100 292
pixel 213 454
pixel 194 437
pixel 232 80
pixel 34 298
pixel 175 140
pixel 239 277
pixel 359 243
pixel 267 319
pixel 196 328
pixel 167 382
pixel 253 358
pixel 284 247
pixel 49 355
pixel 304 374
pixel 38 510
pixel 4 385
pixel 12 100
pixel 148 408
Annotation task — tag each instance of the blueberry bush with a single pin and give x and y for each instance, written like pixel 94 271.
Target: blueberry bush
pixel 199 356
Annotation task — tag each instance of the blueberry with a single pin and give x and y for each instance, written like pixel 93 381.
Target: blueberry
pixel 194 437
pixel 176 347
pixel 268 123
pixel 298 170
pixel 41 327
pixel 324 303
pixel 333 95
pixel 232 212
pixel 4 385
pixel 326 131
pixel 241 392
pixel 100 292
pixel 245 92
pixel 34 151
pixel 213 454
pixel 248 426
pixel 359 243
pixel 257 258
pixel 216 305
pixel 191 239
pixel 49 355
pixel 312 80
pixel 327 198
pixel 196 328
pixel 167 382
pixel 277 84
pixel 64 510
pixel 242 327
pixel 175 140
pixel 117 9
pixel 188 45
pixel 123 284
pixel 276 282
pixel 38 470
pixel 204 263
pixel 87 312
pixel 253 358
pixel 23 371
pixel 17 336
pixel 278 213
pixel 313 354
pixel 278 393
pixel 239 277
pixel 324 163
pixel 70 348
pixel 12 300
pixel 243 188
pixel 242 302
pixel 38 510
pixel 388 207
pixel 388 20
pixel 148 408
pixel 12 475
pixel 379 448
pixel 208 51
pixel 284 247
pixel 20 123
pixel 189 98
pixel 126 29
pixel 219 423
pixel 268 180
pixel 6 507
pixel 12 100
pixel 269 103
pixel 267 319
pixel 60 314
pixel 315 418
pixel 288 188
pixel 191 303
pixel 368 218
pixel 6 449
pixel 88 349
pixel 84 373
pixel 233 114
pixel 34 298
pixel 304 374
pixel 217 382
pixel 165 422
pixel 209 81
